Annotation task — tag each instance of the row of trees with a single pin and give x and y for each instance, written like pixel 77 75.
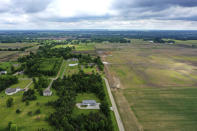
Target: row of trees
pixel 15 49
pixel 42 82
pixel 29 95
pixel 67 89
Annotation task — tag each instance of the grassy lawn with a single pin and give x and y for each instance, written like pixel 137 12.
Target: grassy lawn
pixel 23 120
pixel 21 83
pixel 48 64
pixel 89 69
pixel 7 66
pixel 86 96
pixel 71 69
pixel 63 67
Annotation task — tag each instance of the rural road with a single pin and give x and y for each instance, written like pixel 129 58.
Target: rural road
pixel 53 79
pixel 27 87
pixel 118 119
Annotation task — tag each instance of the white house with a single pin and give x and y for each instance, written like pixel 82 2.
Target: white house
pixel 11 91
pixel 3 72
pixel 47 92
pixel 73 64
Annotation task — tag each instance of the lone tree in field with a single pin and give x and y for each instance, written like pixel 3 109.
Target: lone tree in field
pixel 9 102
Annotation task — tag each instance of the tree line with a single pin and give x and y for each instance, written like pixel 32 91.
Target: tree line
pixel 67 89
pixel 6 81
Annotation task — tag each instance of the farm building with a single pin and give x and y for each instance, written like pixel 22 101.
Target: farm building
pixel 47 92
pixel 11 91
pixel 73 59
pixel 3 72
pixel 73 64
pixel 88 103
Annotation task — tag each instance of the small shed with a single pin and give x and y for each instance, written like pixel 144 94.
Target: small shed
pixel 88 103
pixel 47 92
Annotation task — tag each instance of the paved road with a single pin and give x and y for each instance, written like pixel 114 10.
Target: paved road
pixel 118 119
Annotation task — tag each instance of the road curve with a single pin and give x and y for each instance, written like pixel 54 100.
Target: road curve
pixel 118 119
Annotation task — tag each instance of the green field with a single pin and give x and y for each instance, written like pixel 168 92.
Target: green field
pixel 7 66
pixel 170 108
pixel 22 83
pixel 48 64
pixel 157 85
pixel 15 45
pixel 79 47
pixel 23 120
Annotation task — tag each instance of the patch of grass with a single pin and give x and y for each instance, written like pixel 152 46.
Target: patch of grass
pixel 7 66
pixel 21 83
pixel 23 120
pixel 86 96
pixel 78 47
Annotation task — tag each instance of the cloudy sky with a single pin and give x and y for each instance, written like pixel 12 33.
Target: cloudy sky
pixel 98 14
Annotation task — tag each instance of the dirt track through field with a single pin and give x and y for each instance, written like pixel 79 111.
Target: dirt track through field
pixel 129 119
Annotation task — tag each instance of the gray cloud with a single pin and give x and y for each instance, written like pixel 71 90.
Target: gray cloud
pixel 156 9
pixel 31 6
pixel 35 12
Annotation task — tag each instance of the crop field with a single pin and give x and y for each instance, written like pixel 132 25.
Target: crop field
pixel 8 55
pixel 157 87
pixel 15 45
pixel 79 47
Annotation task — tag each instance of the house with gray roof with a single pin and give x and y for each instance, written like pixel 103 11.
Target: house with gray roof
pixel 47 92
pixel 11 91
pixel 3 72
pixel 88 103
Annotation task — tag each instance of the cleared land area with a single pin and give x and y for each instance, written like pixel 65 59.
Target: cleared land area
pixel 157 84
pixel 13 55
pixel 78 47
pixel 15 45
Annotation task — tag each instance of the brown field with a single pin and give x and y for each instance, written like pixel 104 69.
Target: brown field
pixel 158 84
pixel 15 45
pixel 13 55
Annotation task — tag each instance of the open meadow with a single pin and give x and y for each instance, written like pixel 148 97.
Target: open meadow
pixel 27 119
pixel 156 84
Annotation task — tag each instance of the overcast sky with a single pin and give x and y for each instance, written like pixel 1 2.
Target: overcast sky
pixel 98 14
